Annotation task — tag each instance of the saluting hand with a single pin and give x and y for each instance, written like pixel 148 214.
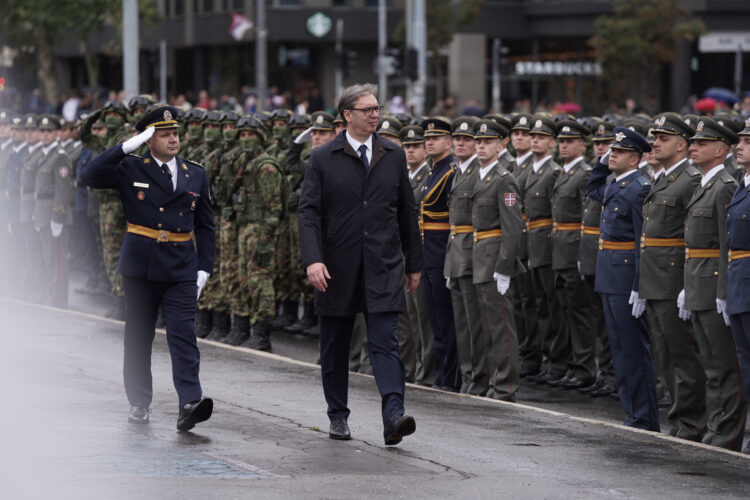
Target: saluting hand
pixel 317 274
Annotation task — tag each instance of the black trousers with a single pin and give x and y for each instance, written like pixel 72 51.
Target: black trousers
pixel 440 309
pixel 382 347
pixel 179 303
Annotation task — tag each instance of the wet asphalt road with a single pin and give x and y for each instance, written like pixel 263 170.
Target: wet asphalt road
pixel 67 436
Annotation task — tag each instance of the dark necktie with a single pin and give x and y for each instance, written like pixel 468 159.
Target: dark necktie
pixel 165 169
pixel 363 155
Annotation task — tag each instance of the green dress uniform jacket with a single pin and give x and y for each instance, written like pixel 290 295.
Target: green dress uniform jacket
pixel 569 195
pixel 537 201
pixel 458 254
pixel 53 190
pixel 28 182
pixel 705 277
pixel 661 276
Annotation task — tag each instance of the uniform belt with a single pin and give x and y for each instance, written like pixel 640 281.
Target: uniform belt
pixel 491 233
pixel 566 226
pixel 44 196
pixel 590 230
pixel 616 245
pixel 158 234
pixel 536 224
pixel 701 253
pixel 738 254
pixel 662 242
pixel 436 226
pixel 461 229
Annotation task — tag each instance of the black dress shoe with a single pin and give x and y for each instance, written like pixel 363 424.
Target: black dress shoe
pixel 588 389
pixel 339 430
pixel 535 378
pixel 138 415
pixel 559 382
pixel 193 413
pixel 575 383
pixel 604 390
pixel 665 402
pixel 398 427
pixel 529 372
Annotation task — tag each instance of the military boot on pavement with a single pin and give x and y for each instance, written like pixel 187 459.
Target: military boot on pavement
pixel 260 338
pixel 220 327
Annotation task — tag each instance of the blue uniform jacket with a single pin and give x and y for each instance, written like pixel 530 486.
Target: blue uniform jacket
pixel 433 202
pixel 738 238
pixel 149 201
pixel 82 194
pixel 621 220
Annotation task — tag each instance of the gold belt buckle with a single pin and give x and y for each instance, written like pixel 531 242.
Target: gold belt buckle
pixel 475 237
pixel 163 236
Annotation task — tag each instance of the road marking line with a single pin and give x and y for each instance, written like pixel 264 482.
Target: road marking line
pixel 286 359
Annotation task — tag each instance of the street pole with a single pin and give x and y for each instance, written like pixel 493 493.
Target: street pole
pixel 163 71
pixel 409 44
pixel 738 70
pixel 420 43
pixel 382 77
pixel 496 44
pixel 130 76
pixel 261 82
pixel 339 75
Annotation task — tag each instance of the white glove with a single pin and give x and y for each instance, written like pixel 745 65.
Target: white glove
pixel 721 308
pixel 503 282
pixel 304 136
pixel 447 283
pixel 605 158
pixel 684 314
pixel 639 305
pixel 583 278
pixel 56 228
pixel 202 278
pixel 135 142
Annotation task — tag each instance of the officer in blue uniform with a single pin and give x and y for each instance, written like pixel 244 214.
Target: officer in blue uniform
pixel 617 269
pixel 166 201
pixel 738 269
pixel 435 228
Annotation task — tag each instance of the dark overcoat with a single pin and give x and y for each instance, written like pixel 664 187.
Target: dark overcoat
pixel 362 225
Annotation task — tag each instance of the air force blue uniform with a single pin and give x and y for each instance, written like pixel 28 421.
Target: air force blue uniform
pixel 616 276
pixel 159 269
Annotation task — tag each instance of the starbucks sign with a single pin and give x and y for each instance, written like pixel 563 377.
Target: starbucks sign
pixel 319 24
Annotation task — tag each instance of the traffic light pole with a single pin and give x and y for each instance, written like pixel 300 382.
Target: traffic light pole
pixel 420 43
pixel 261 82
pixel 130 68
pixel 339 75
pixel 382 77
pixel 496 44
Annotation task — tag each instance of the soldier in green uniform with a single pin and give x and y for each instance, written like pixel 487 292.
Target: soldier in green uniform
pixel 388 128
pixel 6 253
pixel 498 224
pixel 727 121
pixel 413 328
pixel 138 106
pixel 471 341
pixel 218 166
pixel 576 339
pixel 204 318
pixel 537 198
pixel 32 245
pixel 703 299
pixel 258 205
pixel 662 263
pixel 53 211
pixel 521 287
pixel 194 119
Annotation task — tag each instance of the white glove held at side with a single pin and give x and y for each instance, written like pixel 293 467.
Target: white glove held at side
pixel 639 305
pixel 503 282
pixel 135 142
pixel 721 308
pixel 201 282
pixel 447 283
pixel 56 228
pixel 683 313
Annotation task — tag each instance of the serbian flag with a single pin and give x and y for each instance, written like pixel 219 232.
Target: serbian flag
pixel 239 26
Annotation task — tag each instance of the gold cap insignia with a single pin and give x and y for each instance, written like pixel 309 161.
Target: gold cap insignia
pixel 687 121
pixel 632 128
pixel 700 126
pixel 29 120
pixel 17 121
pixel 566 129
pixel 619 136
pixel 538 124
pixel 747 122
pixel 522 121
pixel 45 121
pixel 601 130
pixel 483 128
pixel 430 126
pixel 721 122
pixel 319 119
pixel 463 126
pixel 167 115
pixel 2 114
pixel 386 124
pixel 410 134
pixel 660 121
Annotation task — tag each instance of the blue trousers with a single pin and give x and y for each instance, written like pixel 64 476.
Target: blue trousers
pixel 179 303
pixel 740 324
pixel 634 367
pixel 440 309
pixel 382 347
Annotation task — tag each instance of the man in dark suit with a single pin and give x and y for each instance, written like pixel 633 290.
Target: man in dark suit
pixel 359 241
pixel 617 271
pixel 166 199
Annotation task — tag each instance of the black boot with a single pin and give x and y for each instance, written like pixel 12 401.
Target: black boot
pixel 220 327
pixel 240 331
pixel 261 337
pixel 203 323
pixel 308 320
pixel 287 315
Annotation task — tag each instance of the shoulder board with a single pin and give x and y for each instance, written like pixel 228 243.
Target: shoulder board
pixel 643 181
pixel 61 151
pixel 692 171
pixel 587 167
pixel 728 179
pixel 556 167
pixel 505 172
pixel 194 163
pixel 454 165
pixel 135 156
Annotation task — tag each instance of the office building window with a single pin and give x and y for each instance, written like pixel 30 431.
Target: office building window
pixel 287 3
